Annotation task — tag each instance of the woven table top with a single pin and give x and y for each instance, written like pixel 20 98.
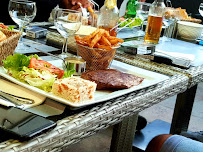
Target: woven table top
pixel 195 74
pixel 74 128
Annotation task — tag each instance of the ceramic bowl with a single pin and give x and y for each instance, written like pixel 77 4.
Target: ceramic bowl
pixel 189 30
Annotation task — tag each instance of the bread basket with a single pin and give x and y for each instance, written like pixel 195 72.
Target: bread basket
pixel 7 47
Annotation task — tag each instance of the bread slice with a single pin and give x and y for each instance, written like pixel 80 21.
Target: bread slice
pixel 74 89
pixel 2 36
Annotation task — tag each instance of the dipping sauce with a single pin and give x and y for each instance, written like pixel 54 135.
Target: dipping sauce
pixel 77 63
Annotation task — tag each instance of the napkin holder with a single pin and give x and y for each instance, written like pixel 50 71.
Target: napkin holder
pixel 139 49
pixel 150 52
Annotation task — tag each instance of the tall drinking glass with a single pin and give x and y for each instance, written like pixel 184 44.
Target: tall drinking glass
pixel 22 13
pixel 169 20
pixel 142 13
pixel 67 23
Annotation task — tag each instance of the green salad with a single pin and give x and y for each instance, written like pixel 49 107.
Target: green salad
pixel 136 22
pixel 34 71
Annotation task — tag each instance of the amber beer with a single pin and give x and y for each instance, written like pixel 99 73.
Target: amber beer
pixel 153 30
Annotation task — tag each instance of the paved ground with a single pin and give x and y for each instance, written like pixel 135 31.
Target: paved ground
pixel 100 142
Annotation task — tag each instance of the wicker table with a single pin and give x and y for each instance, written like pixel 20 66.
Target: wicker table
pixel 74 128
pixel 121 112
pixel 184 102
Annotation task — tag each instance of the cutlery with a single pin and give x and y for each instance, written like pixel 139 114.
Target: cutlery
pixel 84 10
pixel 4 101
pixel 123 8
pixel 16 99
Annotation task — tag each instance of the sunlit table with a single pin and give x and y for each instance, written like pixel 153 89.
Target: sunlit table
pixel 185 100
pixel 88 121
pixel 120 112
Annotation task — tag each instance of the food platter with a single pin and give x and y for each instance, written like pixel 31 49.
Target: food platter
pixel 151 78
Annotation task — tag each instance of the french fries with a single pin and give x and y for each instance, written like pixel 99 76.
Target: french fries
pixel 97 49
pixel 100 38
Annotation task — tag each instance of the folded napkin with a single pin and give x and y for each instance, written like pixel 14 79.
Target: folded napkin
pixel 180 59
pixel 17 90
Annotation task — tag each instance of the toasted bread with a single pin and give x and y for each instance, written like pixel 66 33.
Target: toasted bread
pixel 2 36
pixel 181 14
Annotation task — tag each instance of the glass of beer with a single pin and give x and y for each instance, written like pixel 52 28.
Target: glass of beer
pixel 154 23
pixel 153 30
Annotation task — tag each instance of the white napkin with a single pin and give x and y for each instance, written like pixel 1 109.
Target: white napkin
pixel 177 58
pixel 18 90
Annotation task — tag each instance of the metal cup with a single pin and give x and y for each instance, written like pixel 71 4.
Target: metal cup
pixel 77 63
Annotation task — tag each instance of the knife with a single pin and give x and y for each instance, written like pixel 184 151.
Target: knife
pixel 122 9
pixel 10 103
pixel 16 99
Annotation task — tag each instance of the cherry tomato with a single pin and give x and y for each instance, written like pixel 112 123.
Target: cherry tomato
pixel 46 66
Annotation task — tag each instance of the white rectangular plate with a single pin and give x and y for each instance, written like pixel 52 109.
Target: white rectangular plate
pixel 151 78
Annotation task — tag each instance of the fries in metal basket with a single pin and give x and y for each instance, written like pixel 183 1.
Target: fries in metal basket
pixel 100 39
pixel 97 49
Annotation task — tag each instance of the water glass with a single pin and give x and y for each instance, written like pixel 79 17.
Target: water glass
pixel 22 13
pixel 67 23
pixel 142 11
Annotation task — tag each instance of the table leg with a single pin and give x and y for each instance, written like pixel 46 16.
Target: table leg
pixel 123 135
pixel 183 110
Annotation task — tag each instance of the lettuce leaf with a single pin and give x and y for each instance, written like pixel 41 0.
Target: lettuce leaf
pixel 135 23
pixel 42 80
pixel 11 28
pixel 17 61
pixel 70 70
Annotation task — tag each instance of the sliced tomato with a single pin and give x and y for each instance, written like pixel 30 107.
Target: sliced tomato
pixel 46 66
pixel 3 26
pixel 121 18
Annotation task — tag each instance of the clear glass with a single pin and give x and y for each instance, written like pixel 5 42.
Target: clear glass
pixel 108 16
pixel 142 10
pixel 154 23
pixel 22 13
pixel 201 9
pixel 67 22
pixel 169 20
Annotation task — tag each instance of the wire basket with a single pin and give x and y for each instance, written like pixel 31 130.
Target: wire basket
pixel 7 47
pixel 96 59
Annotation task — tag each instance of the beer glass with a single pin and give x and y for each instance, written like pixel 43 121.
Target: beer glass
pixel 154 23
